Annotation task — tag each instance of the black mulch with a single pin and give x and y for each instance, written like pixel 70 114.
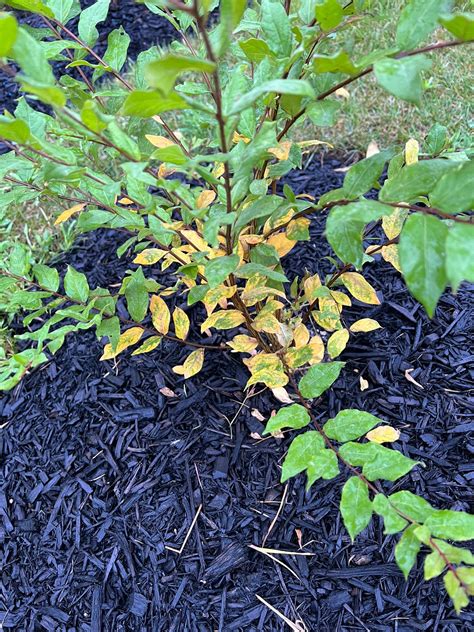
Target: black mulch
pixel 103 474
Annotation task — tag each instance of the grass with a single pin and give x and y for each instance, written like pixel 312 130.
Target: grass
pixel 371 114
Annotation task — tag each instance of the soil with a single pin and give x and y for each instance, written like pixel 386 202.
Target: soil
pixel 126 506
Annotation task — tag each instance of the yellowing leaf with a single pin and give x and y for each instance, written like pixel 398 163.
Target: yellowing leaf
pixel 341 298
pixel 160 314
pixel 412 149
pixel 159 141
pixel 197 242
pixel 65 215
pixel 364 324
pixel 205 198
pixel 218 295
pixel 274 222
pixel 372 149
pixel 282 152
pixel 226 319
pixel 390 255
pixel 360 288
pixel 337 342
pixel 316 345
pixel 192 364
pixel 383 434
pixel 311 284
pixel 266 322
pixel 281 243
pixel 236 138
pixel 297 356
pixel 243 343
pixel 392 224
pixel 266 368
pixel 181 323
pixel 256 294
pixel 301 335
pixel 218 170
pixel 125 201
pixel 164 171
pixel 328 316
pixel 149 256
pixel 149 344
pixel 127 339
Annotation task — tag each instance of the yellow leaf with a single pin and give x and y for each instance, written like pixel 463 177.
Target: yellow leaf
pixel 181 323
pixel 342 92
pixel 274 222
pixel 159 141
pixel 372 149
pixel 236 138
pixel 301 335
pixel 268 369
pixel 341 298
pixel 328 316
pixel 316 345
pixel 205 198
pixel 149 344
pixel 364 325
pixel 127 339
pixel 310 143
pixel 281 152
pixel 360 288
pixel 311 284
pixel 337 342
pixel 197 242
pixel 281 243
pixel 218 296
pixel 412 149
pixel 390 255
pixel 164 171
pixel 160 314
pixel 225 319
pixel 125 201
pixel 266 322
pixel 65 215
pixel 192 364
pixel 383 434
pixel 392 224
pixel 243 343
pixel 218 170
pixel 257 294
pixel 149 256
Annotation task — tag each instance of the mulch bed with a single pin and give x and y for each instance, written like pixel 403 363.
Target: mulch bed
pixel 103 476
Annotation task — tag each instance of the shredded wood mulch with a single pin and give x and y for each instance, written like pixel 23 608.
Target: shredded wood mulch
pixel 134 501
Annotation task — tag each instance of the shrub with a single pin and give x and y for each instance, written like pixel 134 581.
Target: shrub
pixel 106 152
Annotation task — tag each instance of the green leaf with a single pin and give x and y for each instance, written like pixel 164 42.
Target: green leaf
pixel 406 550
pixel 145 104
pixel 91 220
pixel 295 87
pixel 455 554
pixel 401 77
pixel 377 461
pixel 64 10
pixel 415 180
pixel 250 269
pixel 454 192
pixel 350 424
pixel 365 174
pixel 417 20
pixel 76 285
pixel 329 14
pixel 319 378
pixel 256 49
pixel 163 73
pixel 459 254
pixel 89 18
pixel 8 33
pixel 423 258
pixel 34 6
pixel 411 505
pixel 137 297
pixel 338 62
pixel 47 277
pixel 454 588
pixel 263 207
pixel 217 270
pixel 436 139
pixel 116 54
pixel 172 154
pixel 434 565
pixel 276 27
pixel 345 228
pixel 294 416
pixel 29 54
pixel 307 452
pixel 393 522
pixel 109 327
pixel 451 525
pixel 51 95
pixel 461 25
pixel 323 113
pixel 14 129
pixel 356 507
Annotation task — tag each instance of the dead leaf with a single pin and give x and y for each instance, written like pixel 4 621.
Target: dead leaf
pixel 167 392
pixel 412 379
pixel 282 395
pixel 383 434
pixel 364 385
